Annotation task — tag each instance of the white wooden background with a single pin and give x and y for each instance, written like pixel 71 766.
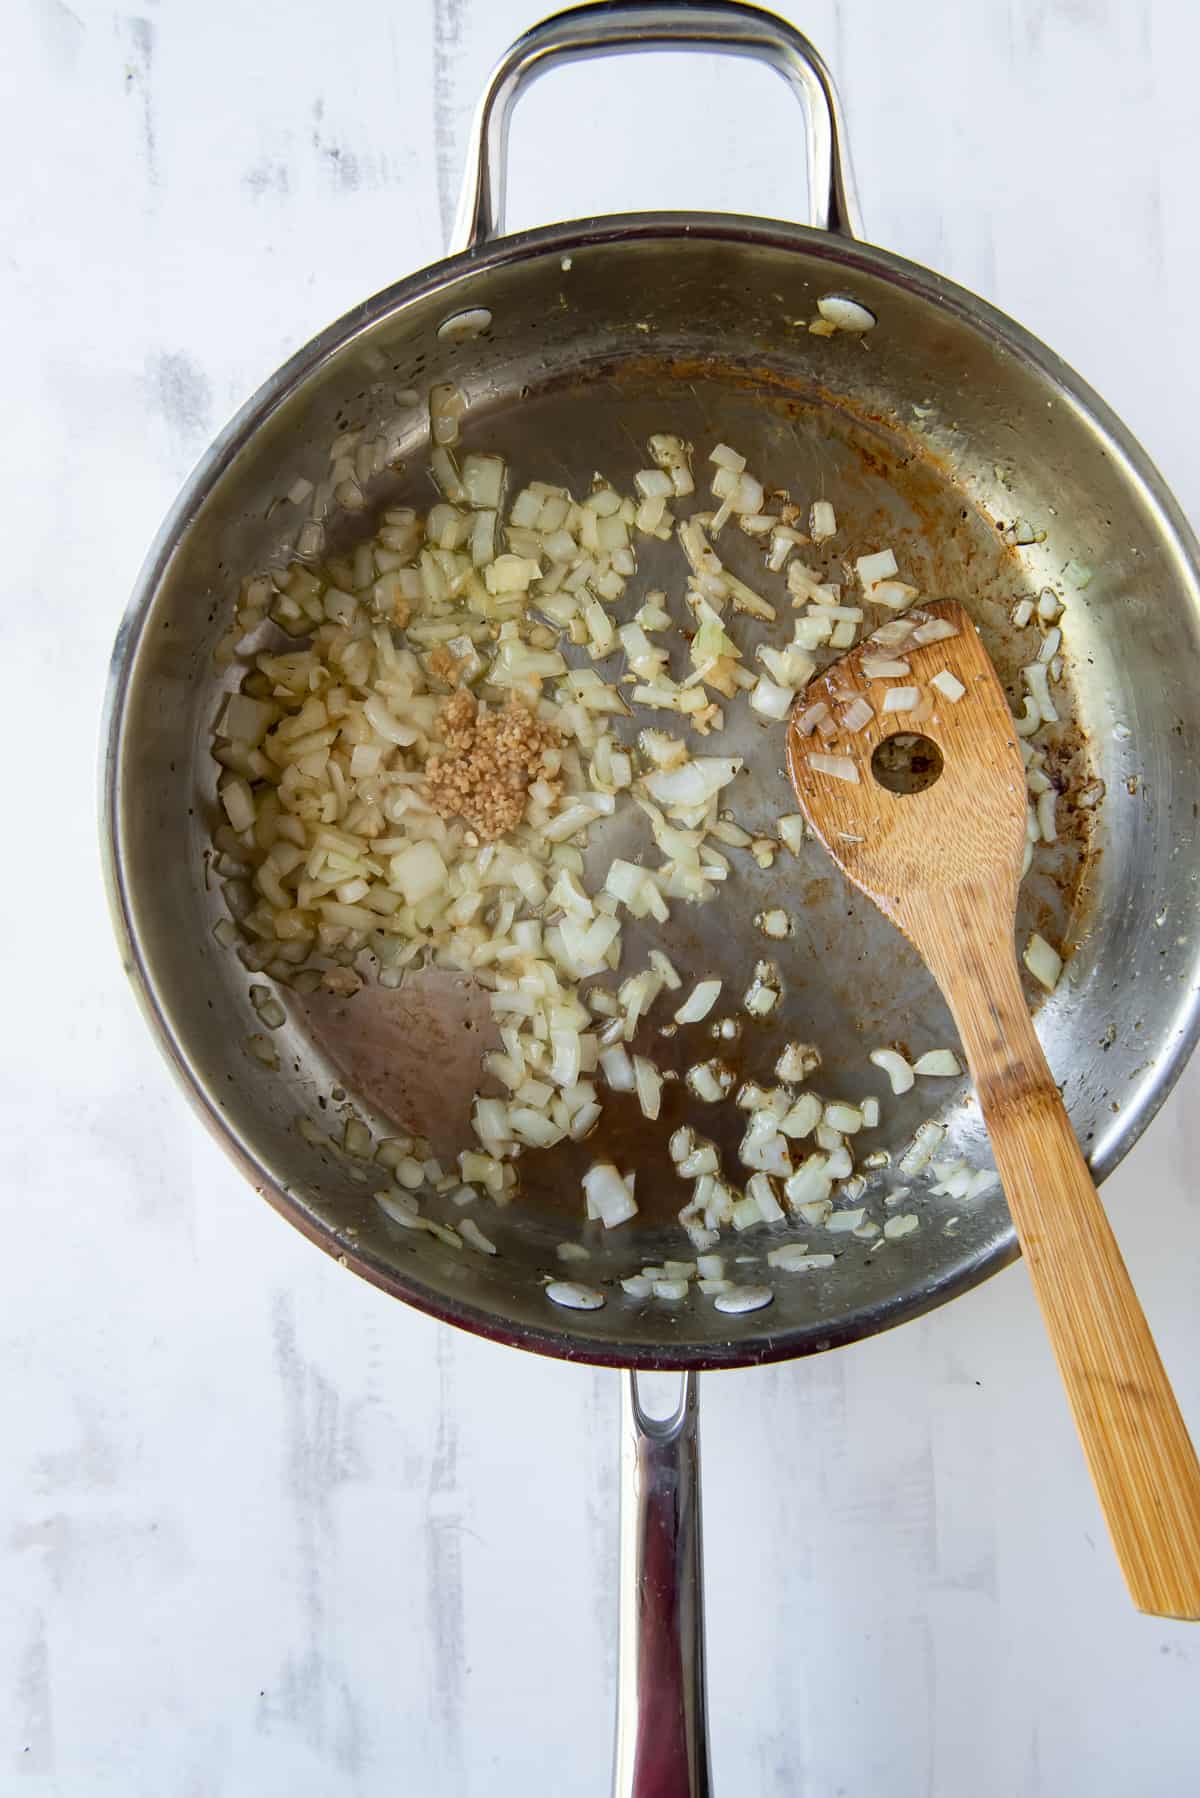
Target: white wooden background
pixel 264 1532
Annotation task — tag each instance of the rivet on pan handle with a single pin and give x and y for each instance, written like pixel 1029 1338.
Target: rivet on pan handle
pixel 662 1738
pixel 719 27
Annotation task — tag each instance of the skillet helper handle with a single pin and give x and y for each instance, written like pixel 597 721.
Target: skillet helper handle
pixel 662 1737
pixel 1142 1461
pixel 621 26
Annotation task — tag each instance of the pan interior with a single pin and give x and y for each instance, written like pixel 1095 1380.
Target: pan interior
pixel 931 436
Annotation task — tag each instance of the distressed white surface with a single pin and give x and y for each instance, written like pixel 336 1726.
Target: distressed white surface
pixel 263 1531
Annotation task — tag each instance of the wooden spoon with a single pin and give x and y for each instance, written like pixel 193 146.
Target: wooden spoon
pixel 944 864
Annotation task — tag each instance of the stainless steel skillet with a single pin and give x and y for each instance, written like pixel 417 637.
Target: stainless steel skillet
pixel 949 432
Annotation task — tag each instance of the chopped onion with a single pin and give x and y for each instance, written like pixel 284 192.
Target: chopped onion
pixel 1043 961
pixel 901 699
pixel 609 1196
pixel 765 990
pixel 1037 679
pixel 771 701
pixel 899 1073
pixel 671 1290
pixel 811 1184
pixel 904 1225
pixel 938 1063
pixel 896 595
pixel 798 1061
pixel 807 721
pixel 648 1082
pixel 794 1258
pixel 839 767
pixel 471 1233
pixel 859 713
pixel 618 1069
pixel 702 1160
pixel 764 1149
pixel 821 520
pixel 699 1002
pixel 923 1148
pixel 710 1080
pixel 880 566
pixel 948 684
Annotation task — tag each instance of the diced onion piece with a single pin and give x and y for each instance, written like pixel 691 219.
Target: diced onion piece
pixel 618 1069
pixel 662 967
pixel 239 805
pixel 948 684
pixel 710 1080
pixel 1043 961
pixel 1037 679
pixel 764 991
pixel 904 1225
pixel 798 1061
pixel 810 1184
pixel 792 829
pixel 418 871
pixel 934 630
pixel 772 701
pixel 702 1160
pixel 794 1258
pixel 695 783
pixel 883 667
pixel 471 1233
pixel 608 1195
pixel 746 1212
pixel 671 1290
pixel 760 1188
pixel 821 520
pixel 724 457
pixel 838 767
pixel 881 565
pixel 924 1146
pixel 648 1083
pixel 901 699
pixel 573 1296
pixel 940 1064
pixel 764 1148
pixel 857 715
pixel 808 720
pixel 899 1074
pixel 840 1223
pixel 699 1002
pixel 1047 823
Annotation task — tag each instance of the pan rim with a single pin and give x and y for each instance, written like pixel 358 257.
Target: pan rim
pixel 848 255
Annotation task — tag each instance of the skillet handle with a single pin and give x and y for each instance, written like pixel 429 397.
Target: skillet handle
pixel 619 26
pixel 662 1723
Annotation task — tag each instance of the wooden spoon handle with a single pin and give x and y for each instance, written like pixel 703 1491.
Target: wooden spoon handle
pixel 1137 1446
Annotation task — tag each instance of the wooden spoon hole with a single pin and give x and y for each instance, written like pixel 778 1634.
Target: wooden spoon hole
pixel 907 762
